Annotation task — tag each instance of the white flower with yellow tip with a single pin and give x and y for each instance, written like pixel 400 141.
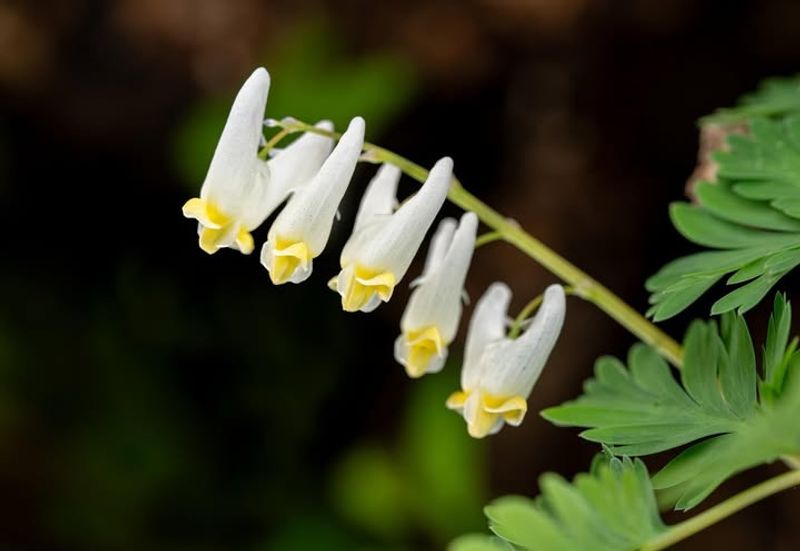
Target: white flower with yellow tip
pixel 383 244
pixel 234 195
pixel 499 373
pixel 301 230
pixel 240 189
pixel 430 321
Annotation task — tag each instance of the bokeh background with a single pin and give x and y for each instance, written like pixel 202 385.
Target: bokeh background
pixel 153 397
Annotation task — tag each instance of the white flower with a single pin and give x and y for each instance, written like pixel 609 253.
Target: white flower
pixel 301 230
pixel 431 318
pixel 241 190
pixel 378 254
pixel 235 189
pixel 499 373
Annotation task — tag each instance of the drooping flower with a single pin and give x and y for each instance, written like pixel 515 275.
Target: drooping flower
pixel 240 190
pixel 301 230
pixel 234 193
pixel 383 244
pixel 430 321
pixel 498 372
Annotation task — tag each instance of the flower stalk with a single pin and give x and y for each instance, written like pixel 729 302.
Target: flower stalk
pixel 506 229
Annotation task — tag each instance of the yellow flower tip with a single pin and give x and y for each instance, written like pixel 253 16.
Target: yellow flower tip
pixel 287 258
pixel 491 412
pixel 512 409
pixel 205 212
pixel 482 423
pixel 244 240
pixel 209 239
pixel 363 285
pixel 457 400
pixel 421 347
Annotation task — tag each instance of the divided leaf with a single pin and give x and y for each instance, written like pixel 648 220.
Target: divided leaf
pixel 739 420
pixel 642 409
pixel 611 509
pixel 691 476
pixel 750 218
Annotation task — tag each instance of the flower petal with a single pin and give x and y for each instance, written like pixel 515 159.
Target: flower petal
pixel 230 179
pixel 480 422
pixel 393 246
pixel 310 212
pixel 487 325
pixel 437 300
pixel 421 351
pixel 440 244
pixel 513 367
pixel 380 198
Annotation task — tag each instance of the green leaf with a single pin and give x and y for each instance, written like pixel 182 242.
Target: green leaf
pixel 479 542
pixel 775 97
pixel 779 353
pixel 642 409
pixel 767 160
pixel 750 219
pixel 720 200
pixel 777 337
pixel 695 473
pixel 613 508
pixel 737 374
pixel 700 226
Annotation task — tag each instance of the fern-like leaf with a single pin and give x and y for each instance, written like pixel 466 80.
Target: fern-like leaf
pixel 611 509
pixel 738 420
pixel 749 219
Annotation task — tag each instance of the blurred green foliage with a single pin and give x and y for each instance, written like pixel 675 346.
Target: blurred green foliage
pixel 432 480
pixel 314 77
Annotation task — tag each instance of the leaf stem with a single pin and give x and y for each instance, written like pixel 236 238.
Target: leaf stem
pixel 584 286
pixel 722 510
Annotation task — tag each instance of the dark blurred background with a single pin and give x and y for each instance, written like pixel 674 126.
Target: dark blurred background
pixel 153 397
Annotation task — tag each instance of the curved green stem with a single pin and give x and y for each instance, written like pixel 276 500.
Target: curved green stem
pixel 527 310
pixel 722 510
pixel 488 237
pixel 584 286
pixel 264 152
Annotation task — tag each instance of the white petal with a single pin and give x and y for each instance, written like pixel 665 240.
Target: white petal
pixel 513 367
pixel 310 212
pixel 487 325
pixel 440 244
pixel 394 245
pixel 297 164
pixel 259 203
pixel 380 198
pixel 437 301
pixel 230 180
